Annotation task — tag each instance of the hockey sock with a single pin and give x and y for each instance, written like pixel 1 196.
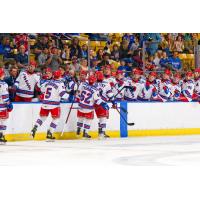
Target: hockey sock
pixel 53 125
pixel 3 126
pixel 102 122
pixel 80 123
pixel 87 125
pixel 40 121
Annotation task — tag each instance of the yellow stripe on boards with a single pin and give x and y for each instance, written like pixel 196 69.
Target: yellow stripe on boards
pixel 113 134
pixel 66 135
pixel 164 132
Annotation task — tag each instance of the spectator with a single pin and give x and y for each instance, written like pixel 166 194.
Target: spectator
pixel 84 66
pixel 164 61
pixel 130 38
pixel 40 45
pixel 152 42
pixel 157 58
pixel 150 65
pixel 10 80
pixel 54 60
pixel 6 49
pixel 84 51
pixel 21 39
pixel 125 68
pixel 135 45
pixel 65 53
pixel 22 58
pixel 75 65
pixel 42 58
pixel 75 49
pixel 94 65
pixel 115 53
pixel 100 54
pixel 124 50
pixel 178 44
pixel 175 62
pixel 137 59
pixel 105 60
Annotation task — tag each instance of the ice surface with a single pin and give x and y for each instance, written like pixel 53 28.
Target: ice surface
pixel 134 151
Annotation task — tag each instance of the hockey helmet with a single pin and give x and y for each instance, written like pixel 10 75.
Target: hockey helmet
pixel 92 79
pixel 99 75
pixel 57 74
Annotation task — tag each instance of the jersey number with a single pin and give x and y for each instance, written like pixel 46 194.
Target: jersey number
pixel 48 93
pixel 85 96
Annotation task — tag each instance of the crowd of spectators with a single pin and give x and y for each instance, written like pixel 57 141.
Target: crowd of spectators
pixel 77 52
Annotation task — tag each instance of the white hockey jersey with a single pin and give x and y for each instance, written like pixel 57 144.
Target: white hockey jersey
pixel 188 89
pixel 149 91
pixel 132 94
pixel 197 86
pixel 88 96
pixel 118 90
pixel 26 83
pixel 164 89
pixel 175 91
pixel 53 91
pixel 105 90
pixel 4 95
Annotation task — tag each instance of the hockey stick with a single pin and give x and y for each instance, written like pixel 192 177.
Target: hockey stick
pixel 129 124
pixel 70 110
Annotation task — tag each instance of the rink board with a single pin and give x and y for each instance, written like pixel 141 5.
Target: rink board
pixel 151 119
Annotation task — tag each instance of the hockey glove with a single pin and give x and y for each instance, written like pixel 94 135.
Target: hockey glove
pixel 105 106
pixel 114 104
pixel 166 89
pixel 10 107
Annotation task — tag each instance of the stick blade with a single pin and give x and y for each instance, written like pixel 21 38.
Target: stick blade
pixel 131 124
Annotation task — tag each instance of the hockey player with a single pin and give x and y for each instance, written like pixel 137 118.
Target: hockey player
pixel 187 88
pixel 176 87
pixel 88 96
pixel 197 84
pixel 46 77
pixel 164 86
pixel 119 85
pixel 53 90
pixel 108 75
pixel 150 90
pixel 135 86
pixel 25 84
pixel 5 106
pixel 106 95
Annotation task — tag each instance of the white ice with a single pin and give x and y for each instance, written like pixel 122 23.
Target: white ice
pixel 134 151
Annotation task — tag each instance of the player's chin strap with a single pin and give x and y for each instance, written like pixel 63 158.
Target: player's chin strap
pixel 70 109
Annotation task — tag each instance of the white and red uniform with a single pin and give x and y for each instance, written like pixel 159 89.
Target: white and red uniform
pixel 25 85
pixel 149 91
pixel 164 90
pixel 197 88
pixel 117 89
pixel 4 101
pixel 132 94
pixel 106 95
pixel 53 91
pixel 175 91
pixel 188 87
pixel 88 97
